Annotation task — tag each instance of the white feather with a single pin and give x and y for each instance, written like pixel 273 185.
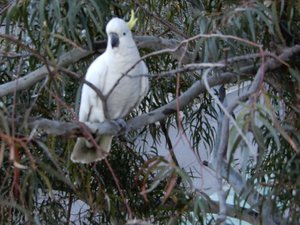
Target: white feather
pixel 122 92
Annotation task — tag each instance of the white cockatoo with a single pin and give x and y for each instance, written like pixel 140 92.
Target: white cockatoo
pixel 120 92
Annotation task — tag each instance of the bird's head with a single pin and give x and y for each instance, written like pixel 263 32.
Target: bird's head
pixel 119 34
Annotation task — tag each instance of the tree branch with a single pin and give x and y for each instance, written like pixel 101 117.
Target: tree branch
pixel 242 213
pixel 30 79
pixel 110 127
pixel 223 169
pixel 69 128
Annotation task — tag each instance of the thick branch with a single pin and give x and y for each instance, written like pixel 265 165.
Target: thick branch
pixel 69 128
pixel 30 79
pixel 74 128
pixel 244 214
pixel 239 184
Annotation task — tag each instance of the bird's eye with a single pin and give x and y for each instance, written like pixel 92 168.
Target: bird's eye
pixel 124 33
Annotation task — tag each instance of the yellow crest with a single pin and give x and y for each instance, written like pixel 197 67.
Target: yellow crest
pixel 131 23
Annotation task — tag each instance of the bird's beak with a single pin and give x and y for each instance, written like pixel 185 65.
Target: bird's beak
pixel 114 39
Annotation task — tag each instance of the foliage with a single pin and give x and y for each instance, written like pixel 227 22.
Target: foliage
pixel 39 183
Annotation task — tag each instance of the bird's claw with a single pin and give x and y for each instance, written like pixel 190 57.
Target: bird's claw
pixel 121 123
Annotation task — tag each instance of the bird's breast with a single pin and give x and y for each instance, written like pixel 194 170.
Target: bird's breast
pixel 123 90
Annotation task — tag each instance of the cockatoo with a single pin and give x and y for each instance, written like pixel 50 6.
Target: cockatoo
pixel 120 92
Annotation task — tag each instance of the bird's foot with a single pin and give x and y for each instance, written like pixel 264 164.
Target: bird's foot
pixel 121 123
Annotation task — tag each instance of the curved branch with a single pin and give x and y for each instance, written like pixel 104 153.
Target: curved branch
pixel 154 44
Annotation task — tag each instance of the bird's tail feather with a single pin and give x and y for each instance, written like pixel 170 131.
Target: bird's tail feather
pixel 84 152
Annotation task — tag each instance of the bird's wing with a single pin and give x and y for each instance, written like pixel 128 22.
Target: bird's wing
pixel 144 81
pixel 92 109
pixel 91 105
